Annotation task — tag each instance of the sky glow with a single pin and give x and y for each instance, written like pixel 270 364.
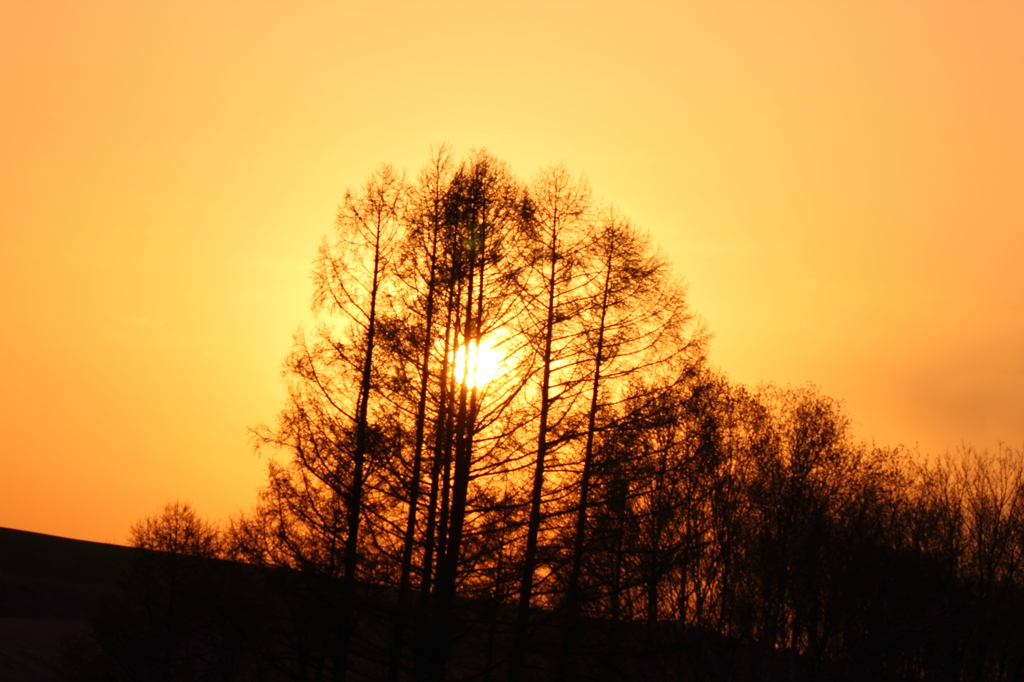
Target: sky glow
pixel 839 185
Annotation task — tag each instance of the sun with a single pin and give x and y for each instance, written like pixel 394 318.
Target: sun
pixel 485 363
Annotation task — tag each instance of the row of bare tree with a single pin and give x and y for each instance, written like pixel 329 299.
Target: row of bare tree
pixel 479 340
pixel 504 457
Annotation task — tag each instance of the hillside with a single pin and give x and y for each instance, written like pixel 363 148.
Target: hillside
pixel 50 588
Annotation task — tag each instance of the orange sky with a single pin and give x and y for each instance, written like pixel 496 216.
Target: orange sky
pixel 840 183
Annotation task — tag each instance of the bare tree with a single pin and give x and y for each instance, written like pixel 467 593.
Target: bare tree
pixel 554 291
pixel 486 208
pixel 638 325
pixel 330 429
pixel 178 529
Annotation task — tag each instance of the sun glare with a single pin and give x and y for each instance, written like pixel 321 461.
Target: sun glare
pixel 485 363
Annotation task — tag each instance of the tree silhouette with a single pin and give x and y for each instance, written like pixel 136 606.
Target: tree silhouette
pixel 504 456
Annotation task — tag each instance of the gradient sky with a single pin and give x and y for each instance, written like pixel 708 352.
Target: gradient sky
pixel 841 184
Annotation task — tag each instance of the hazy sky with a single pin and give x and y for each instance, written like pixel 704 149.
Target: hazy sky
pixel 841 184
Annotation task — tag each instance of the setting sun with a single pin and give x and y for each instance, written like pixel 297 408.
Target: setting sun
pixel 485 363
pixel 171 169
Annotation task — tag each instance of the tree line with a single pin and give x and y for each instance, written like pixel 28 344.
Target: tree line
pixel 505 456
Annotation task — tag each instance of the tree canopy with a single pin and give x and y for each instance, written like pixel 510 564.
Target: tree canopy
pixel 504 455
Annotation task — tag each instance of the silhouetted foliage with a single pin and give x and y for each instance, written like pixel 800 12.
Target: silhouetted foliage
pixel 603 507
pixel 176 530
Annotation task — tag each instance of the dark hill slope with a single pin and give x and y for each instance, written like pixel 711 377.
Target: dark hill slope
pixel 50 589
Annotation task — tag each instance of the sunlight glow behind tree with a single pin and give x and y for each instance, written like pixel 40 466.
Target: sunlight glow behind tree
pixel 486 362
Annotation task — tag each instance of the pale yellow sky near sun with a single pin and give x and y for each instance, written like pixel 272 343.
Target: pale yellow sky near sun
pixel 841 184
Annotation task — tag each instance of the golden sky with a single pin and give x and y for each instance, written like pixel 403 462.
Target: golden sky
pixel 841 184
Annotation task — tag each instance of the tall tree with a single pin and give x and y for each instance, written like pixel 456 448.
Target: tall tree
pixel 424 255
pixel 404 464
pixel 329 429
pixel 554 291
pixel 486 207
pixel 638 325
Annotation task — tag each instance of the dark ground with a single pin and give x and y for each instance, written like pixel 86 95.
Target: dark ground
pixel 50 588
